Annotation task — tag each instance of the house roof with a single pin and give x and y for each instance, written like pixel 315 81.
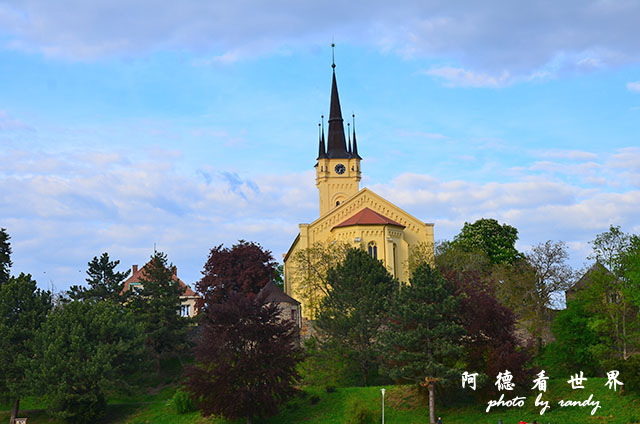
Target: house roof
pixel 596 268
pixel 368 217
pixel 137 274
pixel 274 294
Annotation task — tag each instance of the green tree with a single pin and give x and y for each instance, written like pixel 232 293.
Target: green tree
pixel 610 294
pixel 576 343
pixel 487 235
pixel 157 307
pixel 423 335
pixel 5 256
pixel 105 283
pixel 23 309
pixel 82 350
pixel 354 308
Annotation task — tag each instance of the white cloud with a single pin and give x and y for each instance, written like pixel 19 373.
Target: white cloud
pixel 634 86
pixel 566 154
pixel 9 123
pixel 487 38
pixel 62 209
pixel 457 77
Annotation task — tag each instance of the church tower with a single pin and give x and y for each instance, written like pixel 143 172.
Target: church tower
pixel 338 168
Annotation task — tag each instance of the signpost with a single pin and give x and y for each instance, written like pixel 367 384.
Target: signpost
pixel 382 390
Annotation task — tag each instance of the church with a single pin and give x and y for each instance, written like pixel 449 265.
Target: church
pixel 350 214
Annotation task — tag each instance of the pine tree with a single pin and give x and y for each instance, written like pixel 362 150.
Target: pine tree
pixel 423 333
pixel 105 283
pixel 83 350
pixel 23 309
pixel 353 311
pixel 157 306
pixel 5 256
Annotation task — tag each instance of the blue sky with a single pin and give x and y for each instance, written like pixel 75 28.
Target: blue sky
pixel 124 124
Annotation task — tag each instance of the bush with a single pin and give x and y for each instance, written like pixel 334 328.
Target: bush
pixel 629 372
pixel 182 402
pixel 330 389
pixel 357 413
pixel 314 399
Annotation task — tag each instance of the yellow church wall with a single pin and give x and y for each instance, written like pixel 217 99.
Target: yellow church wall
pixel 385 236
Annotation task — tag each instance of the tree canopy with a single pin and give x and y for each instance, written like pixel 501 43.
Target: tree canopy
pixel 157 306
pixel 487 235
pixel 245 360
pixel 355 306
pixel 5 256
pixel 244 268
pixel 82 350
pixel 23 309
pixel 105 283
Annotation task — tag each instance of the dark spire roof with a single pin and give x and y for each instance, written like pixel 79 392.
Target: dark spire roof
pixel 322 151
pixel 337 143
pixel 354 152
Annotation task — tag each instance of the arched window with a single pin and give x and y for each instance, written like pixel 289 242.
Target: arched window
pixel 395 261
pixel 373 250
pixel 337 203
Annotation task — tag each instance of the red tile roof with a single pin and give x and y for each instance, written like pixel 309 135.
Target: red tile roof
pixel 137 273
pixel 368 217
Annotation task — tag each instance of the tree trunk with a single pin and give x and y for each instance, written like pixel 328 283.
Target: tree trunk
pixel 14 411
pixel 250 419
pixel 432 405
pixel 365 371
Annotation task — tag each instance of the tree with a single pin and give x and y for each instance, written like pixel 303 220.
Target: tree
pixel 82 350
pixel 245 361
pixel 491 343
pixel 576 345
pixel 423 334
pixel 5 256
pixel 23 309
pixel 157 306
pixel 529 286
pixel 497 241
pixel 310 267
pixel 243 268
pixel 105 283
pixel 610 293
pixel 355 306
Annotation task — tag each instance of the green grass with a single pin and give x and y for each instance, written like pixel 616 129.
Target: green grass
pixel 330 408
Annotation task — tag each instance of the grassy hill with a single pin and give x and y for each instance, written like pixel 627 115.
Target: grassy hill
pixel 315 405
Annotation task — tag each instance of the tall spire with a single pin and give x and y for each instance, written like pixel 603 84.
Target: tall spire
pixel 321 149
pixel 348 138
pixel 337 145
pixel 354 152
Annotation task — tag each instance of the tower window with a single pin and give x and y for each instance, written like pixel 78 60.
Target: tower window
pixel 395 261
pixel 338 203
pixel 373 250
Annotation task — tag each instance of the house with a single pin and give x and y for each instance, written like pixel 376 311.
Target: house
pixel 597 269
pixel 187 300
pixel 289 307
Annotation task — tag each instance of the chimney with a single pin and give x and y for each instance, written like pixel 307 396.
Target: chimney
pixel 174 270
pixel 134 269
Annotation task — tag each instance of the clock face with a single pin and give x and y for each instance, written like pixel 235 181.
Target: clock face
pixel 340 168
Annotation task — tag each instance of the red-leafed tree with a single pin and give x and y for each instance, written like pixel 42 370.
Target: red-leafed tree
pixel 244 268
pixel 491 329
pixel 491 343
pixel 245 361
